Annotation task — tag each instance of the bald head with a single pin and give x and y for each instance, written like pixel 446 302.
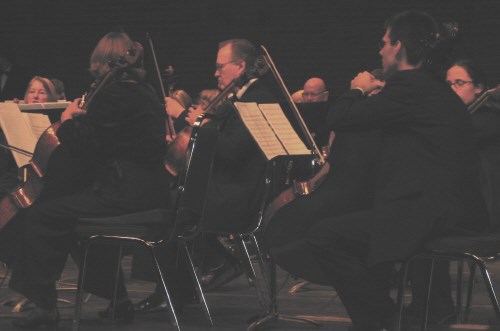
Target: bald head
pixel 315 90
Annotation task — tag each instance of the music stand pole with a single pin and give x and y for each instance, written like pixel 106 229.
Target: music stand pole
pixel 272 315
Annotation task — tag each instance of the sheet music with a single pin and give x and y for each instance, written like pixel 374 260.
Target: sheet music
pixel 38 123
pixel 272 132
pixel 283 129
pixel 17 130
pixel 260 130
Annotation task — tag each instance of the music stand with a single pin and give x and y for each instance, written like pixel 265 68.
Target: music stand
pixel 271 314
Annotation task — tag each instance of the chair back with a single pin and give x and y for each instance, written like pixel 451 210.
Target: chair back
pixel 212 224
pixel 274 186
pixel 194 180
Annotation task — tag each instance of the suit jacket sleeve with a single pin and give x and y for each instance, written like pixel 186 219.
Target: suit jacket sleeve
pixel 486 123
pixel 391 106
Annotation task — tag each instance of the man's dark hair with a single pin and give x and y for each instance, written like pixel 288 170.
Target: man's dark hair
pixel 417 31
pixel 242 49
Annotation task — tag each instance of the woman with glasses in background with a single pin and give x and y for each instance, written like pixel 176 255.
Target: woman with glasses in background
pixel 469 82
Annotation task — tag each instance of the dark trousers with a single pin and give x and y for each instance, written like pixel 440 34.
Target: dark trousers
pixel 440 300
pixel 340 244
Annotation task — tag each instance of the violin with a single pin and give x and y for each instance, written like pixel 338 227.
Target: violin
pixel 473 107
pixel 26 193
pixel 175 159
pixel 176 156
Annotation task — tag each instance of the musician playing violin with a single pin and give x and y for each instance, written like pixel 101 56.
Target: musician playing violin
pixel 426 174
pixel 469 82
pixel 237 181
pixel 39 90
pixel 121 141
pixel 239 165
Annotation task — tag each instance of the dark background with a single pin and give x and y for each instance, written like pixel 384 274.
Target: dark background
pixel 333 39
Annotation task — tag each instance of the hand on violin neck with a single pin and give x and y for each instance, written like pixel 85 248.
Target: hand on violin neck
pixel 72 110
pixel 365 82
pixel 170 138
pixel 193 114
pixel 173 107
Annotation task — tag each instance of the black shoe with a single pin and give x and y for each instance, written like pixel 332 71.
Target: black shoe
pixel 153 303
pixel 221 275
pixel 124 312
pixel 37 318
pixel 156 302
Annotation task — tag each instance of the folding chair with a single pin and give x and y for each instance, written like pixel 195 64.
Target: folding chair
pixel 139 228
pixel 476 250
pixel 266 289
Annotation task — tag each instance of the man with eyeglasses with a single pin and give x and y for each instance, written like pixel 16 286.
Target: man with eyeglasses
pixel 426 173
pixel 237 181
pixel 314 91
pixel 238 172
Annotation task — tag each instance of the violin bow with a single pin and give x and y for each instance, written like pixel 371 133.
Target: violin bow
pixel 307 134
pixel 169 124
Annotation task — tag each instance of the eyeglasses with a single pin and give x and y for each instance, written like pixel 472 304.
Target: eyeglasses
pixel 220 66
pixel 382 43
pixel 459 83
pixel 312 94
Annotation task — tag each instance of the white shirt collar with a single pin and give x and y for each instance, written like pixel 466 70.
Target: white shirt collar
pixel 244 88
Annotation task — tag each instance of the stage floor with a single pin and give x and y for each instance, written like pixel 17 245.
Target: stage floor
pixel 233 305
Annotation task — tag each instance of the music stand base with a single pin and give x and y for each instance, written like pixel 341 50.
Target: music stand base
pixel 269 317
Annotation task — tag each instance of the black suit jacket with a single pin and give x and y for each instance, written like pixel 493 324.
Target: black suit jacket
pixel 486 122
pixel 237 183
pixel 427 180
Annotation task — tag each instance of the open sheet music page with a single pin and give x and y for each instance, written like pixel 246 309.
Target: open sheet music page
pixel 38 123
pixel 259 129
pixel 18 131
pixel 271 129
pixel 283 129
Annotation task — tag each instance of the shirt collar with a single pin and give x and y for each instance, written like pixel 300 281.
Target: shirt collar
pixel 244 88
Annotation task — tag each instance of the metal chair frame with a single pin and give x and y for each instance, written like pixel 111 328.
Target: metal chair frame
pixel 474 262
pixel 267 290
pixel 201 138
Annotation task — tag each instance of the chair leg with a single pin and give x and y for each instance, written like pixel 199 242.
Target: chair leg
pixel 264 265
pixel 460 272
pixel 401 293
pixel 262 291
pixel 470 287
pixel 489 286
pixel 161 278
pixel 115 288
pixel 425 316
pixel 401 290
pixel 196 280
pixel 247 262
pixel 4 277
pixel 79 292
